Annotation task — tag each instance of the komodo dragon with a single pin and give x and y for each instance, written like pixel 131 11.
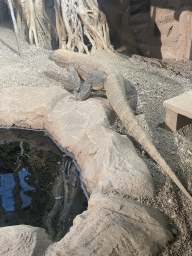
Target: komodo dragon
pixel 115 90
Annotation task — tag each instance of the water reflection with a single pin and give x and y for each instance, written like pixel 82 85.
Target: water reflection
pixel 39 184
pixel 25 187
pixel 7 184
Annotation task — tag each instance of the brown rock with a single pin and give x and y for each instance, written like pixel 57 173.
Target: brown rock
pixel 113 225
pixel 107 159
pixel 27 106
pixel 23 240
pixel 175 25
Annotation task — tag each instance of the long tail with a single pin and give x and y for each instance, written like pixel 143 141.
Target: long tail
pixel 117 97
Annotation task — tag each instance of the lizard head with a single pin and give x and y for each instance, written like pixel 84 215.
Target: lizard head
pixel 60 57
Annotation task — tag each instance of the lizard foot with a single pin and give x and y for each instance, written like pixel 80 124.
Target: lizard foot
pixel 73 98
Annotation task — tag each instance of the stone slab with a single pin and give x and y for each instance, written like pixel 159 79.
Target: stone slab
pixel 180 105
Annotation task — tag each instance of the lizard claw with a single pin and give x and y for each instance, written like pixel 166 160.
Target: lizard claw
pixel 73 98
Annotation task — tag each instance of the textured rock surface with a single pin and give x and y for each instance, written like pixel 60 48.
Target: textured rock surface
pixel 109 163
pixel 175 25
pixel 114 226
pixel 108 160
pixel 23 240
pixel 27 106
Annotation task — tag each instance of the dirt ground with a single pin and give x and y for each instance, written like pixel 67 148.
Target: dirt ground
pixel 169 200
pixel 154 81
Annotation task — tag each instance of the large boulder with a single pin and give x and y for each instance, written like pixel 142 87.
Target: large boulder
pixel 109 164
pixel 27 106
pixel 107 159
pixel 23 240
pixel 114 226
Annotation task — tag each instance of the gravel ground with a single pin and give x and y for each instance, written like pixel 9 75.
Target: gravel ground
pixel 154 81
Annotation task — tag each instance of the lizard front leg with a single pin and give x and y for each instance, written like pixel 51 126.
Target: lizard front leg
pixel 95 80
pixel 74 79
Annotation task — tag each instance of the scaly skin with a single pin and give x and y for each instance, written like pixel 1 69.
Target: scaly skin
pixel 95 80
pixel 115 90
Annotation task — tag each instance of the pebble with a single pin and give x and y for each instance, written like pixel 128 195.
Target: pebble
pixel 174 231
pixel 170 201
pixel 174 215
pixel 167 189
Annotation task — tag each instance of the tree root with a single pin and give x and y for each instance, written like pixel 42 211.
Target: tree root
pixel 79 24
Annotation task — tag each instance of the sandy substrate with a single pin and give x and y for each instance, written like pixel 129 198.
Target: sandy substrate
pixel 154 83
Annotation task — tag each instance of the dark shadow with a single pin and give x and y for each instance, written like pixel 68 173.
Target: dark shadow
pixel 183 121
pixel 132 95
pixel 165 127
pixel 7 24
pixel 186 5
pixel 4 12
pixel 132 29
pixel 8 46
